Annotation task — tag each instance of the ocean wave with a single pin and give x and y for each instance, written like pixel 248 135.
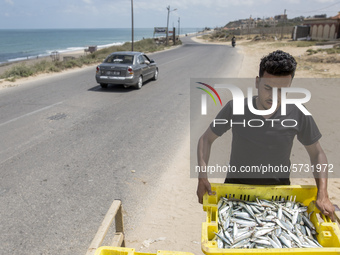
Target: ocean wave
pixel 75 49
pixel 109 45
pixel 20 59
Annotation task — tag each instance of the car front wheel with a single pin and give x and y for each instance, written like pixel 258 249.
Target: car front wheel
pixel 139 83
pixel 155 77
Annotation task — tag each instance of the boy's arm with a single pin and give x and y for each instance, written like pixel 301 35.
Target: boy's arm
pixel 319 161
pixel 203 154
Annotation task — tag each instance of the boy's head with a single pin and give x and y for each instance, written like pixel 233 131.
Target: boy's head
pixel 276 71
pixel 278 63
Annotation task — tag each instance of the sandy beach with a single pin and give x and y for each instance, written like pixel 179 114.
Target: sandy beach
pixel 32 61
pixel 174 223
pixel 22 81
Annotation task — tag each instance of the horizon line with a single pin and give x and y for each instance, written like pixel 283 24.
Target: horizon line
pixel 94 28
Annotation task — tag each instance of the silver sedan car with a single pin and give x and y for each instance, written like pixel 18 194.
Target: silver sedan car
pixel 127 68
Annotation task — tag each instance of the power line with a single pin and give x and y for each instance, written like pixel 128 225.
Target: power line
pixel 316 9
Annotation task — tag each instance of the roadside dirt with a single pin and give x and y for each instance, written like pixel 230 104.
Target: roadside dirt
pixel 173 220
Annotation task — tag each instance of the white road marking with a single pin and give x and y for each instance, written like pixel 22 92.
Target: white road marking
pixel 177 59
pixel 30 113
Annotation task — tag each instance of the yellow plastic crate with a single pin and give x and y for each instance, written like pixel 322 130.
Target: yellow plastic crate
pixel 108 250
pixel 328 232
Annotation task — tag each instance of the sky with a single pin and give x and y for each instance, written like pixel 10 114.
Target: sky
pixel 35 14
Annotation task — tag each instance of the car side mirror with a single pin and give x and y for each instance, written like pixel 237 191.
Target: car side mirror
pixel 152 61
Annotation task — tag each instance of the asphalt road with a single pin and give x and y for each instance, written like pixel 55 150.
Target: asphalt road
pixel 68 148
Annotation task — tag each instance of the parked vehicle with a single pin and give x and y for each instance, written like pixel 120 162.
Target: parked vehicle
pixel 127 68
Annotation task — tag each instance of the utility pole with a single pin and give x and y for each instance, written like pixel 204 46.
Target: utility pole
pixel 283 24
pixel 132 35
pixel 263 25
pixel 167 27
pixel 249 25
pixel 179 25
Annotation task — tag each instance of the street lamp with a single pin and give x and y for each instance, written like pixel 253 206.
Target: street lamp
pixel 179 25
pixel 167 25
pixel 132 25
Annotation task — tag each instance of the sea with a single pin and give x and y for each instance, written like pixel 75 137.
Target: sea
pixel 21 44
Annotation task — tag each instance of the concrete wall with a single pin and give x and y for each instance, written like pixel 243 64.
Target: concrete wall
pixel 324 29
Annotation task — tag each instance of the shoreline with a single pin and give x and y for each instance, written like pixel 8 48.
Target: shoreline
pixel 48 55
pixel 6 66
pixel 74 50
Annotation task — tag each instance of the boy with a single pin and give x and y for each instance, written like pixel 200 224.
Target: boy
pixel 271 143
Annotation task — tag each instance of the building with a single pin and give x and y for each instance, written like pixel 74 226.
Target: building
pixel 324 28
pixel 269 22
pixel 281 18
pixel 248 23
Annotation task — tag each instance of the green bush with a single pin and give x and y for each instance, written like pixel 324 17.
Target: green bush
pixel 73 63
pixel 332 51
pixel 54 68
pixel 41 66
pixel 328 51
pixel 86 60
pixel 18 71
pixel 311 51
pixel 305 43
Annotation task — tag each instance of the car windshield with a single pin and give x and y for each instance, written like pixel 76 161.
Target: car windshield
pixel 120 59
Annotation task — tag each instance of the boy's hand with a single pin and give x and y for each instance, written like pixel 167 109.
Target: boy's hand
pixel 203 187
pixel 326 207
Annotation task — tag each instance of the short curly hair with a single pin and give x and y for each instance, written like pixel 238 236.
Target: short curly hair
pixel 278 63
